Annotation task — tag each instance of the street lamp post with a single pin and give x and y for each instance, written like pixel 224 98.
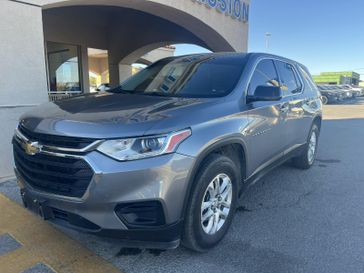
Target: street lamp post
pixel 267 40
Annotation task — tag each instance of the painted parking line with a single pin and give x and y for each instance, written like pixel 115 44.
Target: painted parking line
pixel 42 246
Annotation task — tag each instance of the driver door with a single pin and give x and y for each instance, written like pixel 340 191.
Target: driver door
pixel 266 134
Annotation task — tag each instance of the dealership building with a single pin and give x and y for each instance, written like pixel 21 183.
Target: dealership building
pixel 55 48
pixel 337 78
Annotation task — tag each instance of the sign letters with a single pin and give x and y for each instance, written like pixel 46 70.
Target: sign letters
pixel 237 9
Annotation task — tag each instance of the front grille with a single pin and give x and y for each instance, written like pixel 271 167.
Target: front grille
pixel 58 141
pixel 58 175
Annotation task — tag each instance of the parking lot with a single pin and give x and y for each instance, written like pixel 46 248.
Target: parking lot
pixel 290 221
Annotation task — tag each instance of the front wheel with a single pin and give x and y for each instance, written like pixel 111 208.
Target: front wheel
pixel 212 204
pixel 308 155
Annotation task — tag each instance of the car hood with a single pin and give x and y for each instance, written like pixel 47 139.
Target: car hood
pixel 111 115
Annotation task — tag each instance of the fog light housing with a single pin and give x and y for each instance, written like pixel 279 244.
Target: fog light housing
pixel 141 214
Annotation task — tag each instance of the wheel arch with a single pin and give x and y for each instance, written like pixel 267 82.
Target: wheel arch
pixel 218 147
pixel 318 121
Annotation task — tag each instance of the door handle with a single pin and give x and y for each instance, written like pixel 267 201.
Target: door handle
pixel 284 107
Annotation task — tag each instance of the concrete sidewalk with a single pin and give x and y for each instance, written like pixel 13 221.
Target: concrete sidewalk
pixel 30 245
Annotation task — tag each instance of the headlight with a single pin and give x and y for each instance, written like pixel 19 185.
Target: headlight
pixel 143 147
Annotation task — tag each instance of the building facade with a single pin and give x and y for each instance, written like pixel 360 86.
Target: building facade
pixel 337 78
pixel 69 46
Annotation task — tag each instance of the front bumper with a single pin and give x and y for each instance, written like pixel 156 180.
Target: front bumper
pixel 163 179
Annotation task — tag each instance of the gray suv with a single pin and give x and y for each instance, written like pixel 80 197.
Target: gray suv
pixel 162 158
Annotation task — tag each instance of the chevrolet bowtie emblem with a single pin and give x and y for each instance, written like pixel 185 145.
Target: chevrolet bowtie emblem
pixel 32 148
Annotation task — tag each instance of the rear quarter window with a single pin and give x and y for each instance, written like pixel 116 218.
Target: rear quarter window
pixel 308 79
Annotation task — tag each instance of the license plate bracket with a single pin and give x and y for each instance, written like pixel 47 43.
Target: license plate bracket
pixel 37 206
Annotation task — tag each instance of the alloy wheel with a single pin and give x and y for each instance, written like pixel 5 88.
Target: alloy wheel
pixel 216 203
pixel 312 147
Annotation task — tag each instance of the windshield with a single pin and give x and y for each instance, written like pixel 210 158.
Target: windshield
pixel 192 76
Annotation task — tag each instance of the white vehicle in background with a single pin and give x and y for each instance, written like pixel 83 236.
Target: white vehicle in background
pixel 359 91
pixel 103 87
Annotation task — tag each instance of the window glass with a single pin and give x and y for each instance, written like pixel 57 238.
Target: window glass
pixel 196 76
pixel 264 75
pixel 289 79
pixel 308 78
pixel 64 67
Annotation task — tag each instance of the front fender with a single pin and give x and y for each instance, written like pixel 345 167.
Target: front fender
pixel 210 137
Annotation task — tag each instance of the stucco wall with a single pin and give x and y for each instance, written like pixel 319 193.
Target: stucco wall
pixel 23 79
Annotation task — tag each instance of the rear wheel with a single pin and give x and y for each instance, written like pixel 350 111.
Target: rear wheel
pixel 308 155
pixel 212 204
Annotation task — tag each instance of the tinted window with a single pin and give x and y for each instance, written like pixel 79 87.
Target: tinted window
pixel 308 78
pixel 289 79
pixel 264 75
pixel 192 76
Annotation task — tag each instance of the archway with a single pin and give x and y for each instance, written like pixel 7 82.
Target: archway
pixel 190 16
pixel 127 29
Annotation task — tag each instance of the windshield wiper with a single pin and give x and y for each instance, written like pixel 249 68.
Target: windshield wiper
pixel 119 89
pixel 159 94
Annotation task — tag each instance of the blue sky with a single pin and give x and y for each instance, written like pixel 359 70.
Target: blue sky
pixel 325 35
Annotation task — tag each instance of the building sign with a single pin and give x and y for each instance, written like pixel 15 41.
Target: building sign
pixel 237 9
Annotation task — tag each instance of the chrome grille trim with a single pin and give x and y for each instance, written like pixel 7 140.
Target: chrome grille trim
pixel 53 150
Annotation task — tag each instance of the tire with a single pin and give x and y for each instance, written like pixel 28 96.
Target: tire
pixel 324 100
pixel 195 234
pixel 305 160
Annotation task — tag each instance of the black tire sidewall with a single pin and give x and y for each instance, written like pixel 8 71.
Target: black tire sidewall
pixel 301 161
pixel 217 165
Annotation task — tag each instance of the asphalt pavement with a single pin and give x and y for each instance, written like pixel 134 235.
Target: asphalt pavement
pixel 290 221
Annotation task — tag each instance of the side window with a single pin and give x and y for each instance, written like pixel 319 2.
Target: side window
pixel 265 74
pixel 290 83
pixel 306 75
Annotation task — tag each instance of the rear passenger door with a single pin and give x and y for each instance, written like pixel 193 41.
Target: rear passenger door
pixel 266 132
pixel 292 89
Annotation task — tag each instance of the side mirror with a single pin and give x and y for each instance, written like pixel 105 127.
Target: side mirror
pixel 266 93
